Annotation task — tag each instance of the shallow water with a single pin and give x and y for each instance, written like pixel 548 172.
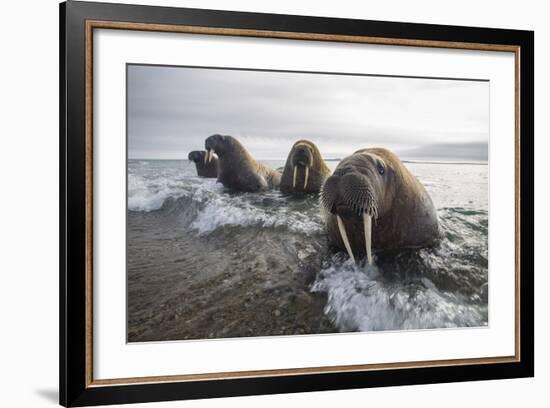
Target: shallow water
pixel 207 263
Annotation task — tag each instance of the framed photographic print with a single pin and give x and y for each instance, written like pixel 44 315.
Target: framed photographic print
pixel 256 203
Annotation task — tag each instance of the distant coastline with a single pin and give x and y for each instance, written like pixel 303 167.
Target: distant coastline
pixel 445 162
pixel 410 161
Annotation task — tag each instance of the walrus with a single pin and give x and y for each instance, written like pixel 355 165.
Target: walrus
pixel 237 170
pixel 372 202
pixel 204 168
pixel 305 170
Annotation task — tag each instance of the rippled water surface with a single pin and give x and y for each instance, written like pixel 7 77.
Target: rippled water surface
pixel 207 263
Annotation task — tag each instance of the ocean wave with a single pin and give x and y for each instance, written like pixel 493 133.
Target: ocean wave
pixel 235 211
pixel 146 201
pixel 364 299
pixel 147 195
pixel 207 206
pixel 150 194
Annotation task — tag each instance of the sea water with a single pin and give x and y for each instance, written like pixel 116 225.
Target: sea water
pixel 204 262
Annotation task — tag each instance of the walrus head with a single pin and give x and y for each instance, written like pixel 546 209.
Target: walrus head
pixel 196 156
pixel 222 145
pixel 305 170
pixel 302 155
pixel 357 193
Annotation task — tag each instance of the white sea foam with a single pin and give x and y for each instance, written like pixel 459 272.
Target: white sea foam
pixel 216 207
pixel 146 200
pixel 149 194
pixel 359 300
pixel 216 215
pixel 232 211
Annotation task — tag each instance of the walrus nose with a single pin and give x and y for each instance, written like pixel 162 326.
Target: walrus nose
pixel 349 186
pixel 300 155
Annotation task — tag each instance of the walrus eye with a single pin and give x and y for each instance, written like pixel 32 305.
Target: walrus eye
pixel 381 169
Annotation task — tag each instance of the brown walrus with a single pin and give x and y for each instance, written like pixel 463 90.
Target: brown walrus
pixel 305 170
pixel 374 184
pixel 237 169
pixel 204 168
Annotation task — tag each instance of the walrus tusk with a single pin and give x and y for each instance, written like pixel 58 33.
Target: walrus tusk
pixel 344 236
pixel 367 223
pixel 307 175
pixel 210 155
pixel 294 177
pixel 206 153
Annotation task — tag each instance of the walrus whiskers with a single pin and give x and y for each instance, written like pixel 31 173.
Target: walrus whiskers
pixel 367 224
pixel 307 175
pixel 344 236
pixel 294 178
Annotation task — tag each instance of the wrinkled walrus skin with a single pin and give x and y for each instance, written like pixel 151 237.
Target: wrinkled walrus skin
pixel 305 170
pixel 204 169
pixel 373 202
pixel 237 169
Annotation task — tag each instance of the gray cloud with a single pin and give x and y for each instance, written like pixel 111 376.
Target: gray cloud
pixel 171 110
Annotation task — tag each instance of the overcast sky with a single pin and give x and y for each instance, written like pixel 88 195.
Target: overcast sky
pixel 171 110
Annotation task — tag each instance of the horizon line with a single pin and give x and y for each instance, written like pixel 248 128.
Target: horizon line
pixel 423 161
